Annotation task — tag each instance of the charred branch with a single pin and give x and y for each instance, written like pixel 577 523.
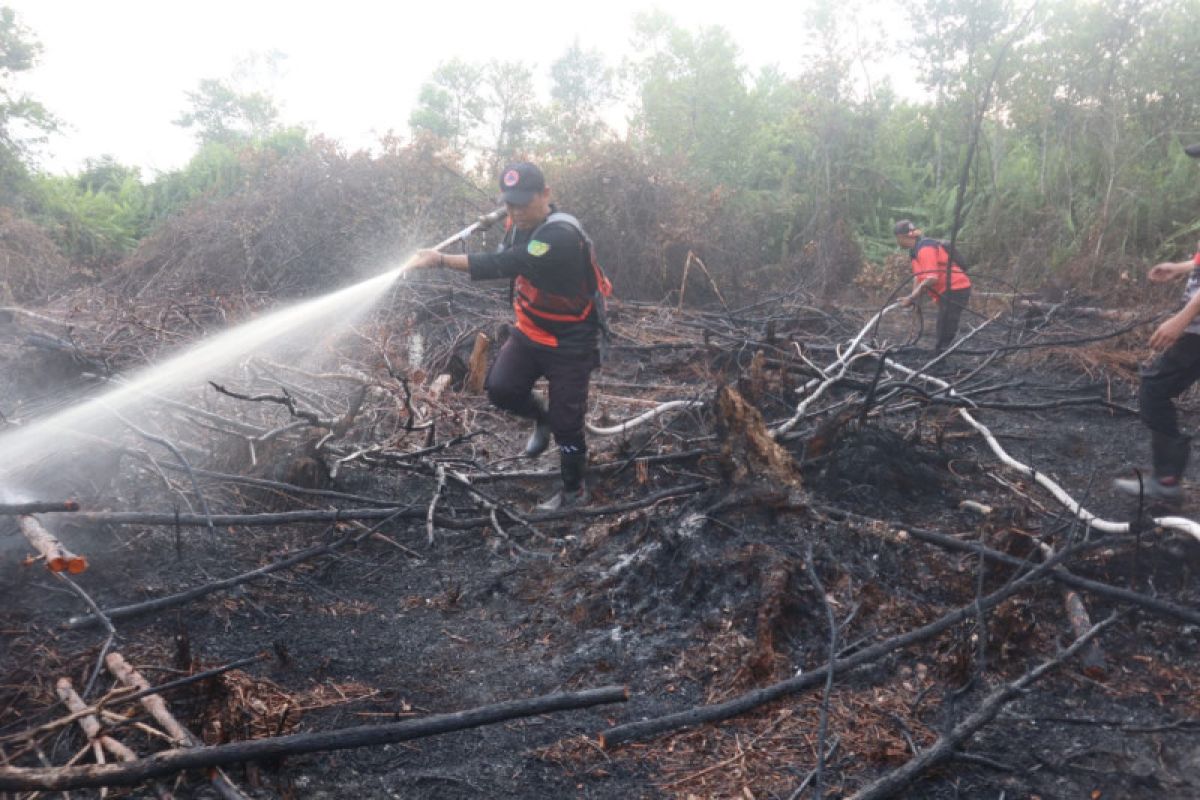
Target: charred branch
pixel 404 512
pixel 88 722
pixel 890 784
pixel 170 762
pixel 643 729
pixel 181 737
pixel 285 400
pixel 171 601
pixel 16 509
pixel 1073 506
pixel 1060 574
pixel 122 696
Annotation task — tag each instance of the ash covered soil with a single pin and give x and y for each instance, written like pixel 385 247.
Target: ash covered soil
pixel 701 589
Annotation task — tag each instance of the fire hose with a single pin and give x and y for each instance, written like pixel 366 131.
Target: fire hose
pixel 484 222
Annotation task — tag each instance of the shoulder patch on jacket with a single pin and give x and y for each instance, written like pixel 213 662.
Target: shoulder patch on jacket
pixel 537 248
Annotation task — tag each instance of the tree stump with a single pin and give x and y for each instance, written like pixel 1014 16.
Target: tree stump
pixel 748 451
pixel 477 368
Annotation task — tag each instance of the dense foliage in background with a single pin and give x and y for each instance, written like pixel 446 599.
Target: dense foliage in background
pixel 770 180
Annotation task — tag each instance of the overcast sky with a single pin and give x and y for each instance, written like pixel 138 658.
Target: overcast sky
pixel 115 72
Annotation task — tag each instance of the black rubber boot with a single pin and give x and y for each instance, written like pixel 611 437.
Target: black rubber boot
pixel 539 440
pixel 573 466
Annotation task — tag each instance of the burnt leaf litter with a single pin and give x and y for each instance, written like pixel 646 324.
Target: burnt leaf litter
pixel 689 578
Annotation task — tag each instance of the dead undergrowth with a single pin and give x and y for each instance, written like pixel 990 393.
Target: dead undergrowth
pixel 718 547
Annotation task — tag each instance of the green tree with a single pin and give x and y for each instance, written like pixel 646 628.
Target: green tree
pixel 105 174
pixel 94 225
pixel 692 101
pixel 220 113
pixel 1082 146
pixel 23 120
pixel 511 110
pixel 955 43
pixel 451 105
pixel 582 86
pixel 237 110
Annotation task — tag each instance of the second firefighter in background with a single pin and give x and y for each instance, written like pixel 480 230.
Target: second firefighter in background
pixel 934 274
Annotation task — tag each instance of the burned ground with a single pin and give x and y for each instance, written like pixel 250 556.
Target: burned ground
pixel 706 567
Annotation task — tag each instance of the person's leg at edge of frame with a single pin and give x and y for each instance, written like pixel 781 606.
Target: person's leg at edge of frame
pixel 1164 379
pixel 509 386
pixel 568 375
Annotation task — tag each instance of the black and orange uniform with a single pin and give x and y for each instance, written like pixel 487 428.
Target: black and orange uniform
pixel 929 259
pixel 558 324
pixel 552 283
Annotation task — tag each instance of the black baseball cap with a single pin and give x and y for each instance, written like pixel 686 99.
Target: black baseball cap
pixel 903 227
pixel 1193 150
pixel 519 183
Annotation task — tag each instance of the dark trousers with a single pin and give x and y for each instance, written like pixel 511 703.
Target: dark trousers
pixel 510 382
pixel 950 310
pixel 1167 377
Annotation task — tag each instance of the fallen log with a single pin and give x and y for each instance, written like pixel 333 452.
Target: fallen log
pixel 717 712
pixel 157 708
pixel 461 523
pixel 1060 574
pixel 1092 658
pixel 290 488
pixel 178 599
pixel 285 400
pixel 57 557
pixel 115 699
pixel 889 785
pixel 348 514
pixel 813 388
pixel 279 518
pixel 38 507
pixel 89 723
pixel 193 678
pixel 170 762
pixel 611 466
pixel 1116 315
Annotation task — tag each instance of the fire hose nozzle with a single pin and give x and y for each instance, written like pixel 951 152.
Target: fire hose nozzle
pixel 481 224
pixel 489 219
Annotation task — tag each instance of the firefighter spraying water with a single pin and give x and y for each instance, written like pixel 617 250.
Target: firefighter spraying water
pixel 558 294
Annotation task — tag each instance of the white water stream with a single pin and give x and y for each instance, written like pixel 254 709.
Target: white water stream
pixel 308 322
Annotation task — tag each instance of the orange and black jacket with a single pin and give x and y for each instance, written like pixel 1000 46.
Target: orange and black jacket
pixel 552 285
pixel 929 258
